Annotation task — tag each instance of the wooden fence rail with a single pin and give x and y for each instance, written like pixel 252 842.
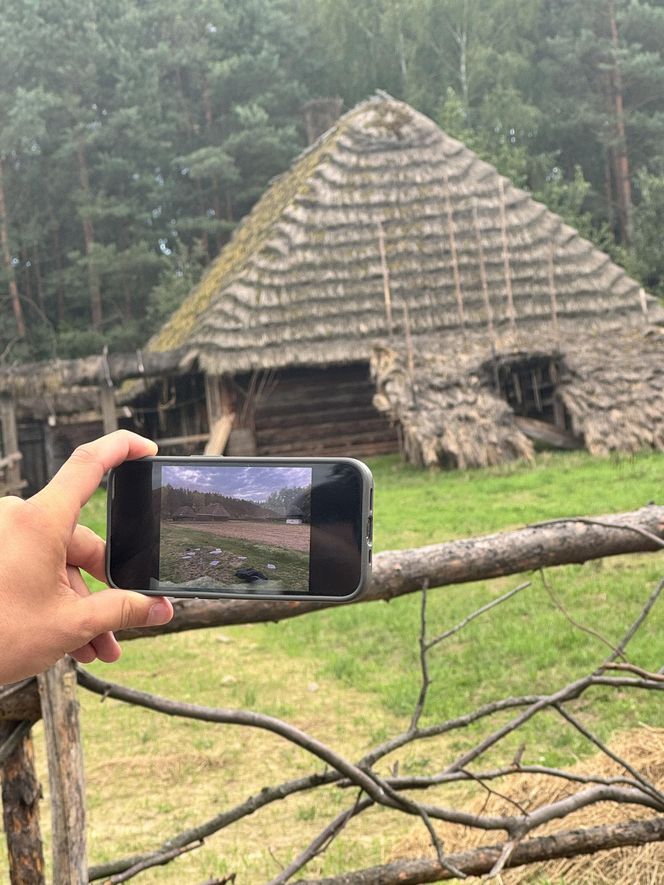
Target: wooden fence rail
pixel 53 696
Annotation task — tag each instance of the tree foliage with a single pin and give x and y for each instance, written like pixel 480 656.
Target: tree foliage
pixel 135 136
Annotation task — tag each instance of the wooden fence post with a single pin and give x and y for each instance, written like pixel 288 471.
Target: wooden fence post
pixel 57 691
pixel 21 793
pixel 9 450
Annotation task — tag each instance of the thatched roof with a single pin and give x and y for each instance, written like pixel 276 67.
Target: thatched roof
pixel 215 511
pixel 386 209
pixel 450 412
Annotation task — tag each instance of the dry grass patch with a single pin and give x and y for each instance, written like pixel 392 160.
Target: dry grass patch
pixel 642 747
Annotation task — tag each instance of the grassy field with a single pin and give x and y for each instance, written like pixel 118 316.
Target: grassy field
pixel 350 677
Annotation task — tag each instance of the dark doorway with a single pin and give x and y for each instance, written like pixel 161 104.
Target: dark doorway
pixel 529 384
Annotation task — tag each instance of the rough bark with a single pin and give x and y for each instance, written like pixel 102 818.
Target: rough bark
pixel 570 843
pixel 57 689
pixel 33 379
pixel 21 793
pixel 396 572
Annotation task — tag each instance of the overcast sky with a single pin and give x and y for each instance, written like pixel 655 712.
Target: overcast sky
pixel 248 483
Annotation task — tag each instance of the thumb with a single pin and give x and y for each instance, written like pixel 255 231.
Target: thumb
pixel 111 610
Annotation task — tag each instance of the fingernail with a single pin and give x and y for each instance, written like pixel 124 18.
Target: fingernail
pixel 160 613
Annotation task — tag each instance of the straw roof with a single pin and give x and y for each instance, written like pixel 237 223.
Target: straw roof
pixel 612 386
pixel 386 209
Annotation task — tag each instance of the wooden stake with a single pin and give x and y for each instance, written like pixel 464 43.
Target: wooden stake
pixel 553 294
pixel 57 691
pixel 21 793
pixel 454 255
pixel 10 449
pixel 409 347
pixel 221 414
pixel 483 278
pixel 387 295
pixel 511 313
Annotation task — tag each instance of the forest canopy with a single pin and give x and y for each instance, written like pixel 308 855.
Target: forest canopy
pixel 136 135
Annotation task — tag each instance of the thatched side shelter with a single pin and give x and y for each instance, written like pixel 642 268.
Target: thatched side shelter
pixel 472 408
pixel 387 228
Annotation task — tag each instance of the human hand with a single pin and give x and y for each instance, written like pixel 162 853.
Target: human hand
pixel 46 609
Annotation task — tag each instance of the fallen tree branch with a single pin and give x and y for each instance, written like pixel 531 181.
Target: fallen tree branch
pixel 569 843
pixel 397 572
pixel 156 860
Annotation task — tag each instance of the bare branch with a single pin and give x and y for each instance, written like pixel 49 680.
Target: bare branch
pixel 424 662
pixel 398 572
pixel 632 668
pixel 643 614
pixel 156 860
pixel 322 841
pixel 582 627
pixel 646 784
pixel 569 843
pixel 480 611
pixel 235 717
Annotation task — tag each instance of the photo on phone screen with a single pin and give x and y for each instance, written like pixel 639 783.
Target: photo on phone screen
pixel 208 527
pixel 235 528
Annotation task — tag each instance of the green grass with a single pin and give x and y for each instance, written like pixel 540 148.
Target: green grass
pixel 526 645
pixel 350 675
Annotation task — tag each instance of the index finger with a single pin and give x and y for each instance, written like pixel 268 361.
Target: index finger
pixel 80 475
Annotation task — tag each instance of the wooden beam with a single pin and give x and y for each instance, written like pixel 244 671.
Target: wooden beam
pixel 10 447
pixel 21 793
pixel 109 415
pixel 57 691
pixel 220 403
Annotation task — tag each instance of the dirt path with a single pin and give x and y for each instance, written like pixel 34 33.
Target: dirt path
pixel 292 537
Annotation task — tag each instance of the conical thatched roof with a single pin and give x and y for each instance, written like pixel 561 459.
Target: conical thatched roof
pixel 384 209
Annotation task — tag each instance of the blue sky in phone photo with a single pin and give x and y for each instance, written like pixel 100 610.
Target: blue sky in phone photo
pixel 249 483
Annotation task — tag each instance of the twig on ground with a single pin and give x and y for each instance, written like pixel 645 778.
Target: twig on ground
pixel 582 627
pixel 155 861
pixel 480 611
pixel 645 783
pixel 424 662
pixel 643 614
pixel 322 841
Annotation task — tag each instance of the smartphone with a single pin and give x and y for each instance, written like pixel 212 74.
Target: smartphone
pixel 209 527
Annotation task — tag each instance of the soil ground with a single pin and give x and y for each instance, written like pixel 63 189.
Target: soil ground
pixel 292 537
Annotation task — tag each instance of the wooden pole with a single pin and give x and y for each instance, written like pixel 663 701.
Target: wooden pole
pixel 454 256
pixel 10 447
pixel 387 294
pixel 21 793
pixel 57 691
pixel 511 313
pixel 220 412
pixel 108 412
pixel 107 396
pixel 553 294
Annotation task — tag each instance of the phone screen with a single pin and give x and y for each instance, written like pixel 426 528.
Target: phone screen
pixel 235 528
pixel 240 527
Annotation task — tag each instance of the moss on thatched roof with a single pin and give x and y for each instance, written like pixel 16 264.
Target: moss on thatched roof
pixel 384 209
pixel 610 381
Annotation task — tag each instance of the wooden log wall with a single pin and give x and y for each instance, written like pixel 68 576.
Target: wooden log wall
pixel 322 412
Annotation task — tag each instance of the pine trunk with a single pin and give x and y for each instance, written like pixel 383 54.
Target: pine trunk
pixel 89 238
pixel 620 155
pixel 7 259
